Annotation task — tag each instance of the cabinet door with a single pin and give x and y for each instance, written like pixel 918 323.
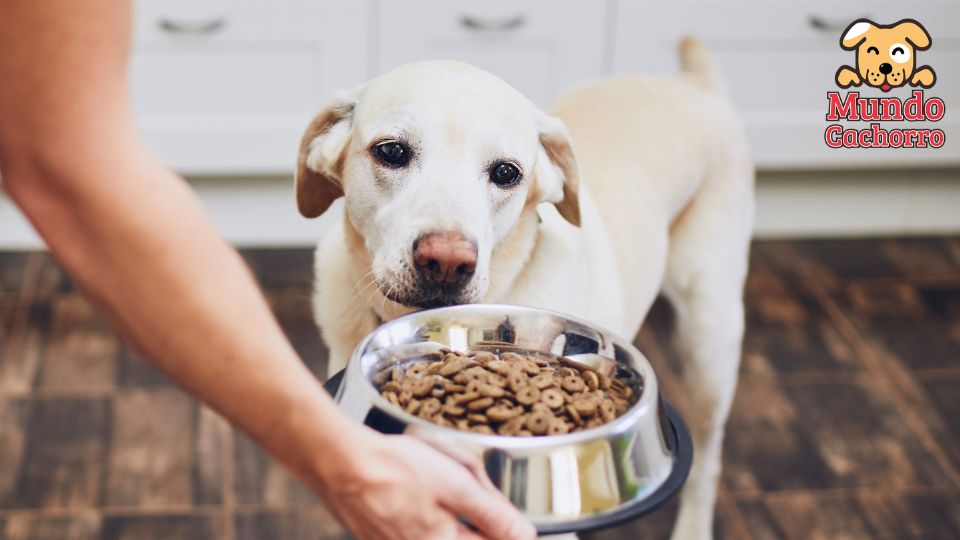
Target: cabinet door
pixel 779 60
pixel 226 87
pixel 541 47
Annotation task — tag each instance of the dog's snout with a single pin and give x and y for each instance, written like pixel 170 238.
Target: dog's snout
pixel 446 259
pixel 885 68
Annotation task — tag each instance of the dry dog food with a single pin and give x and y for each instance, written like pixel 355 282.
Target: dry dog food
pixel 508 393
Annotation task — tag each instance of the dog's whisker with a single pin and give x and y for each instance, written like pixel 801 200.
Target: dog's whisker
pixel 351 301
pixel 364 282
pixel 366 292
pixel 355 293
pixel 383 305
pixel 370 294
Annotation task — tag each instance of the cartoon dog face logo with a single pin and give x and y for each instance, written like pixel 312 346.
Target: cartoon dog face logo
pixel 886 55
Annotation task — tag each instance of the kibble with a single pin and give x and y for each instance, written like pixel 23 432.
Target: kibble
pixel 511 393
pixel 552 397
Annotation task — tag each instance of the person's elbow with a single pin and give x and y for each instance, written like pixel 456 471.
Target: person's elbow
pixel 25 174
pixel 41 168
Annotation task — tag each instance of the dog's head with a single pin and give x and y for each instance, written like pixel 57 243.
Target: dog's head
pixel 885 54
pixel 437 161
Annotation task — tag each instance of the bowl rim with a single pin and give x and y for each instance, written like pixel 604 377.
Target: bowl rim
pixel 646 404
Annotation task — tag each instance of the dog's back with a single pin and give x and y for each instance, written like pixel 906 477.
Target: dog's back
pixel 646 147
pixel 648 133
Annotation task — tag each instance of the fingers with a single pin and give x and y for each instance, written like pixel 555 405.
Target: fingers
pixel 491 513
pixel 479 472
pixel 460 455
pixel 467 534
pixel 463 488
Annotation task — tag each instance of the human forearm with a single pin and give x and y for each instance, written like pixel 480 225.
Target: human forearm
pixel 130 232
pixel 205 325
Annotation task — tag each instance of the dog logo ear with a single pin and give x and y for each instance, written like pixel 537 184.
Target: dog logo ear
pixel 322 152
pixel 915 33
pixel 558 179
pixel 854 35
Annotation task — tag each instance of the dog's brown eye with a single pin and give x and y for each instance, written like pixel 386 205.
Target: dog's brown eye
pixel 392 154
pixel 505 174
pixel 874 50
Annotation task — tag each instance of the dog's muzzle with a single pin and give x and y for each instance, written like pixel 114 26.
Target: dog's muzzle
pixel 444 264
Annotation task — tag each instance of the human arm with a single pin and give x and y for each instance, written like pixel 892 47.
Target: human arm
pixel 132 235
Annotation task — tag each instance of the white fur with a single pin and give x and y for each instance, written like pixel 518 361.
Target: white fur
pixel 857 30
pixel 904 56
pixel 666 202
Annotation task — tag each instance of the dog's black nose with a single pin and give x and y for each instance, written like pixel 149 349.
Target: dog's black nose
pixel 447 260
pixel 885 68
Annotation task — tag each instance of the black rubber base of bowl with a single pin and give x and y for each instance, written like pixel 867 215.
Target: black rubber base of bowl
pixel 678 440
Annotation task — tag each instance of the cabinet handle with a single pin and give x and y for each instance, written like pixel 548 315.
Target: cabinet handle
pixel 483 24
pixel 191 27
pixel 827 25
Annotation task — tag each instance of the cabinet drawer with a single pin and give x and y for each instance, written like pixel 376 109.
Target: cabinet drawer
pixel 179 21
pixel 779 60
pixel 541 47
pixel 229 86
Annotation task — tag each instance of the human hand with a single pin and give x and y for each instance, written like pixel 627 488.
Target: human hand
pixel 399 487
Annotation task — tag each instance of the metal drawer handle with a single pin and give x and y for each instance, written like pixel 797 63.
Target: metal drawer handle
pixel 826 25
pixel 483 24
pixel 191 27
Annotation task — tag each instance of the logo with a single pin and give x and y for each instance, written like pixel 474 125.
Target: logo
pixel 885 57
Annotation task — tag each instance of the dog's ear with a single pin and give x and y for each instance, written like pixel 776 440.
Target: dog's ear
pixel 915 33
pixel 557 178
pixel 322 153
pixel 854 35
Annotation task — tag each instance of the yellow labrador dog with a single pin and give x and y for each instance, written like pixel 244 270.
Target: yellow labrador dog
pixel 458 189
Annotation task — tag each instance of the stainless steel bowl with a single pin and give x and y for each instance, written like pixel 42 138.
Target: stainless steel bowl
pixel 563 483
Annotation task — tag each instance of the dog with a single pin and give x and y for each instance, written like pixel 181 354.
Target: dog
pixel 458 189
pixel 886 55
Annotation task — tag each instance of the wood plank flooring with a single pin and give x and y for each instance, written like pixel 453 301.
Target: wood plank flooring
pixel 846 422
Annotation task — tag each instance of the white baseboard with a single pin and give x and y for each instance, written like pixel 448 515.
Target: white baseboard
pixel 857 203
pixel 260 212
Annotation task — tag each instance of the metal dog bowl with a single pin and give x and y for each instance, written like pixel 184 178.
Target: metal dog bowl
pixel 563 483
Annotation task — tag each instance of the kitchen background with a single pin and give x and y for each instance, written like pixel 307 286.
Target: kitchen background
pixel 845 423
pixel 223 91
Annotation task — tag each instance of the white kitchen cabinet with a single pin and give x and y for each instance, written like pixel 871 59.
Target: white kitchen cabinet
pixel 222 87
pixel 779 59
pixel 227 86
pixel 541 47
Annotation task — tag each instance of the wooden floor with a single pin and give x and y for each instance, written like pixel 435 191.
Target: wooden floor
pixel 846 422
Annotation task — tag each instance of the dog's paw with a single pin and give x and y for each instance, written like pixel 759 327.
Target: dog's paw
pixel 847 77
pixel 924 77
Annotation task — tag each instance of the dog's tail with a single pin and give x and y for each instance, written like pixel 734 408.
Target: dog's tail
pixel 698 65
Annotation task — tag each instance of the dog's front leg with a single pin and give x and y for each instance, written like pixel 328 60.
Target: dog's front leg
pixel 341 339
pixel 340 301
pixel 342 326
pixel 847 77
